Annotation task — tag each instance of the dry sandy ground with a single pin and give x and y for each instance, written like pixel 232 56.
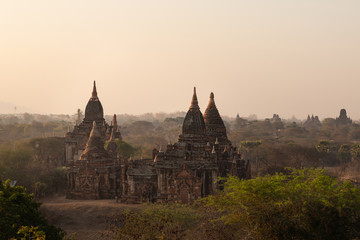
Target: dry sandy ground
pixel 87 218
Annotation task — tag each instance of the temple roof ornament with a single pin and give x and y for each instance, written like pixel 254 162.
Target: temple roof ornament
pixel 194 101
pixel 114 123
pixel 94 92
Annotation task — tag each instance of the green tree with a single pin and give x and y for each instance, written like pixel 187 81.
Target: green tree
pixel 323 147
pixel 248 148
pixel 156 221
pixel 125 149
pixel 344 153
pixel 19 213
pixel 355 151
pixel 304 204
pixel 30 233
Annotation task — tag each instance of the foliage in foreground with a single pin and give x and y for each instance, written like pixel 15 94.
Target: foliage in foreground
pixel 20 218
pixel 168 221
pixel 304 204
pixel 27 163
pixel 301 204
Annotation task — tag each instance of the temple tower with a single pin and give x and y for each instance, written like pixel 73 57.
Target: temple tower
pixel 94 110
pixel 76 140
pixel 193 128
pixel 343 119
pixel 215 128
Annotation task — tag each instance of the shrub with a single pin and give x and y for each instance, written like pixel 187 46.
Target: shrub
pixel 20 216
pixel 303 204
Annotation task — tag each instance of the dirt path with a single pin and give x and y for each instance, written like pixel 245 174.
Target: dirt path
pixel 86 218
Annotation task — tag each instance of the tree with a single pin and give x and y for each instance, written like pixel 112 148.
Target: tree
pixel 20 215
pixel 323 147
pixel 355 151
pixel 157 221
pixel 304 204
pixel 249 147
pixel 345 153
pixel 125 149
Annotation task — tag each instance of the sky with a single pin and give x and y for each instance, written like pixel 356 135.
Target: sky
pixel 261 57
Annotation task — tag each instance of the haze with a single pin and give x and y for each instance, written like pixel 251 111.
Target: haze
pixel 260 57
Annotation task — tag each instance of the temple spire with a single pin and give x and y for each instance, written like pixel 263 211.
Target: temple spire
pixel 95 146
pixel 94 132
pixel 194 101
pixel 94 92
pixel 112 136
pixel 114 123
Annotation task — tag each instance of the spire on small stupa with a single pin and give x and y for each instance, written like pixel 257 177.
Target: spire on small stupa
pixel 213 150
pixel 225 149
pixel 114 123
pixel 112 136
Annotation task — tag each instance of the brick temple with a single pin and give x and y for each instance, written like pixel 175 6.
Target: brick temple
pixel 185 171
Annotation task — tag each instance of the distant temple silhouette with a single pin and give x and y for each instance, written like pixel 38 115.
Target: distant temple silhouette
pixel 343 119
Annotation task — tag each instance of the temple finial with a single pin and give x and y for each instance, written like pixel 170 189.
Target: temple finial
pixel 114 122
pixel 194 101
pixel 94 92
pixel 211 101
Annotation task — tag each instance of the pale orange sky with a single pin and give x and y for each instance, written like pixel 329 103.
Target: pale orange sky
pixel 258 57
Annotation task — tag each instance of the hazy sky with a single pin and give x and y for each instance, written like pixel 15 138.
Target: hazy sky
pixel 257 56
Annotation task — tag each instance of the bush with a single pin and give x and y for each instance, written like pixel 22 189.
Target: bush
pixel 157 221
pixel 20 216
pixel 304 204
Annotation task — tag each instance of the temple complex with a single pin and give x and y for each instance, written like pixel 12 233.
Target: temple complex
pixel 184 171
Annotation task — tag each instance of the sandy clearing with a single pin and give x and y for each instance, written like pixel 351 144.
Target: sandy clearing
pixel 87 218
